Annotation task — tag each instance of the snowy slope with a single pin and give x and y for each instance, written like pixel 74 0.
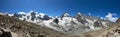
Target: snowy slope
pixel 64 23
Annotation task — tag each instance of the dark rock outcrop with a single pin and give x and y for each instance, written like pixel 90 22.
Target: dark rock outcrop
pixel 46 17
pixel 33 15
pixel 111 31
pixel 26 29
pixel 118 21
pixel 5 34
pixel 56 21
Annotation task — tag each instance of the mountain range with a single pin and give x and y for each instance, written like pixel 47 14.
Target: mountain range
pixel 64 25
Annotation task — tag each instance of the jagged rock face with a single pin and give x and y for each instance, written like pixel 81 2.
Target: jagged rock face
pixel 118 21
pixel 81 18
pixel 65 15
pixel 45 17
pixel 15 15
pixel 67 24
pixel 18 28
pixel 33 15
pixel 56 21
pixel 92 22
pixel 98 24
pixel 111 31
pixel 5 34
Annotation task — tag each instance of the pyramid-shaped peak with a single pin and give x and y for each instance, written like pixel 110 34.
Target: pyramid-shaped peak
pixel 79 13
pixel 33 12
pixel 66 14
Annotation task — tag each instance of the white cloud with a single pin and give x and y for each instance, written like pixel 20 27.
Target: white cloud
pixel 110 17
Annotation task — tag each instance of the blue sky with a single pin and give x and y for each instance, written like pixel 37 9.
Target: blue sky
pixel 58 7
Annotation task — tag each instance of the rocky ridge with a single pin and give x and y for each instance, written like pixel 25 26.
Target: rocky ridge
pixel 12 27
pixel 65 26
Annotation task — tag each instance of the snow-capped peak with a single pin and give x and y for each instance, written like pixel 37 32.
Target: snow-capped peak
pixel 41 14
pixel 66 15
pixel 64 23
pixel 10 15
pixel 3 13
pixel 21 13
pixel 79 13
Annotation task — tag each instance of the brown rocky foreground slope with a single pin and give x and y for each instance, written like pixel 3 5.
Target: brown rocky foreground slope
pixel 11 27
pixel 112 31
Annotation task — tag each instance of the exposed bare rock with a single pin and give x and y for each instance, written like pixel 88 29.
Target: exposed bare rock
pixel 12 27
pixel 118 21
pixel 18 28
pixel 5 33
pixel 112 31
